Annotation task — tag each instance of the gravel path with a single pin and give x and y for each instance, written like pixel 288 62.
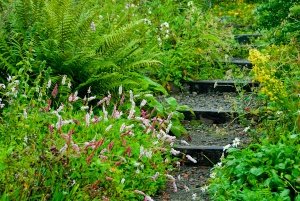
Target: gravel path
pixel 217 100
pixel 214 135
pixel 189 181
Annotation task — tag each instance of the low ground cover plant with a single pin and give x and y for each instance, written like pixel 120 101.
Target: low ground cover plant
pixel 60 146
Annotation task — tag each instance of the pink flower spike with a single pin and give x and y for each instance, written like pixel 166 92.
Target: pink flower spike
pixel 148 198
pixel 174 186
pixel 191 159
pixel 139 192
pixel 105 198
pixel 55 91
pixel 108 98
pixel 102 101
pixel 110 146
pixel 75 147
pixel 51 126
pixel 122 99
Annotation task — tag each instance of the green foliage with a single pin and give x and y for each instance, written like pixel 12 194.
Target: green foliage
pixel 77 149
pixel 282 18
pixel 259 172
pixel 190 39
pixel 69 37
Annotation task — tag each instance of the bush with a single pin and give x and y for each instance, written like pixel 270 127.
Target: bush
pixel 282 18
pixel 56 145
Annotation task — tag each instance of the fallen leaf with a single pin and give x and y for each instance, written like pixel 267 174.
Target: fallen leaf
pixel 186 175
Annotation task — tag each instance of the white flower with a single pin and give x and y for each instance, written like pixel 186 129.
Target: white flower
pixel 9 78
pixel 2 85
pixel 89 90
pixel 59 109
pixel 120 89
pixel 108 128
pixel 226 147
pixel 91 98
pixel 25 113
pixel 246 129
pixel 69 84
pixel 49 84
pixel 84 108
pixel 100 17
pixel 93 26
pixel 63 81
pixel 236 142
pixel 25 139
pixel 122 181
pixel 143 103
pixel 204 188
pixel 213 175
pixel 190 3
pixel 219 164
pixel 194 196
pixel 187 189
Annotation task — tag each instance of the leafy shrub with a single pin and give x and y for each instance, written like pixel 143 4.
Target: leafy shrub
pixel 281 17
pixel 191 40
pixel 259 172
pixel 75 39
pixel 112 148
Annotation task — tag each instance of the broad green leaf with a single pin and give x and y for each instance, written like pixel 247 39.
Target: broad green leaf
pixel 2 166
pixel 284 193
pixel 172 102
pixel 256 171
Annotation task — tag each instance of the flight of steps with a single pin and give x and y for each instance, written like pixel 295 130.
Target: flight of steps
pixel 208 155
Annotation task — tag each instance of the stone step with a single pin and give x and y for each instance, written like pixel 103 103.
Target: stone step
pixel 240 62
pixel 210 116
pixel 246 38
pixel 205 86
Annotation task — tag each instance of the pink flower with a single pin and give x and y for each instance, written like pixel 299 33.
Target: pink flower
pixel 174 186
pixel 55 91
pixel 122 99
pixel 139 192
pixel 105 198
pixel 102 101
pixel 110 146
pixel 93 26
pixel 108 98
pixel 175 152
pixel 128 151
pixel 191 159
pixel 155 176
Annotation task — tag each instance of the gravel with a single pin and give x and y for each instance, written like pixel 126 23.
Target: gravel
pixel 215 100
pixel 216 134
pixel 189 181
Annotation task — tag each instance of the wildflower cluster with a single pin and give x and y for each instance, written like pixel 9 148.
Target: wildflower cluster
pixel 265 74
pixel 114 143
pixel 164 28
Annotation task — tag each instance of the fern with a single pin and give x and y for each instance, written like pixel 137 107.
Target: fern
pixel 58 33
